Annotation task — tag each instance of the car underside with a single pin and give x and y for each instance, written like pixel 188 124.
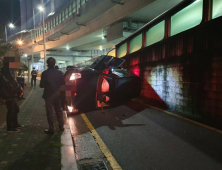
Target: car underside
pixel 103 84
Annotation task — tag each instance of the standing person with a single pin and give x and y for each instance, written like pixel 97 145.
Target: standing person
pixel 51 80
pixel 34 75
pixel 9 90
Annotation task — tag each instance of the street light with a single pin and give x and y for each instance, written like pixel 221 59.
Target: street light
pixel 19 42
pixel 33 12
pixel 43 25
pixel 41 8
pixel 10 25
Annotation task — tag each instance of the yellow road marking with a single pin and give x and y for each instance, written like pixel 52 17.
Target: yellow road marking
pixel 101 144
pixel 200 124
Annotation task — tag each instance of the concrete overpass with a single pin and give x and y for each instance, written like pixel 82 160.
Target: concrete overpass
pixel 88 29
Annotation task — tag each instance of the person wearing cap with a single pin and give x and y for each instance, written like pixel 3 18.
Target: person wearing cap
pixel 34 75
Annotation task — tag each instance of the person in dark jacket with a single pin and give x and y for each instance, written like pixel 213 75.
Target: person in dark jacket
pixel 34 75
pixel 51 80
pixel 9 92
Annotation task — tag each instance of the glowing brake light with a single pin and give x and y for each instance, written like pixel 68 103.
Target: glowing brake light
pixel 75 76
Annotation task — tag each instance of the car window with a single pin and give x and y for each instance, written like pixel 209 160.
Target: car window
pixel 99 63
pixel 115 62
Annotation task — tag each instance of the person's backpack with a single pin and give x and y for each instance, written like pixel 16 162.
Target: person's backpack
pixel 8 87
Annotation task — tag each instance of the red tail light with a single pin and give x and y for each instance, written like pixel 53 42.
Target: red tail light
pixel 103 95
pixel 105 86
pixel 75 76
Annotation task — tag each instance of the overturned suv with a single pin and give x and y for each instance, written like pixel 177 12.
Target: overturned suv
pixel 101 85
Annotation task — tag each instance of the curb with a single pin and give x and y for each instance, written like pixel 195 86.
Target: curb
pixel 68 159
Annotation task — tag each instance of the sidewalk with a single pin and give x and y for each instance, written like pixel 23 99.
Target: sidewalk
pixel 32 149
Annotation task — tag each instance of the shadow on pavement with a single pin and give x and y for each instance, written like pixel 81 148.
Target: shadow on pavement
pixel 112 117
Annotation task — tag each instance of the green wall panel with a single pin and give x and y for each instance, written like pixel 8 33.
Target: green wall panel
pixel 122 50
pixel 187 18
pixel 155 34
pixel 136 43
pixel 217 8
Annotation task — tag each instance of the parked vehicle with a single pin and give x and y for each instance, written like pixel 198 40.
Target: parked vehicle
pixel 101 85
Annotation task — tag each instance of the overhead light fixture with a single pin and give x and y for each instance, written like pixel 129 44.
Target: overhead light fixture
pixel 67 47
pixel 51 13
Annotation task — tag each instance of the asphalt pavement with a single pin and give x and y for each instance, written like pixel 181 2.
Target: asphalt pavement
pixel 136 136
pixel 32 149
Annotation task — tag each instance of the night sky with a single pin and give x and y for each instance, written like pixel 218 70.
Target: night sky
pixel 10 12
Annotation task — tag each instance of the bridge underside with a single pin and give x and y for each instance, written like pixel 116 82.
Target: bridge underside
pixel 95 32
